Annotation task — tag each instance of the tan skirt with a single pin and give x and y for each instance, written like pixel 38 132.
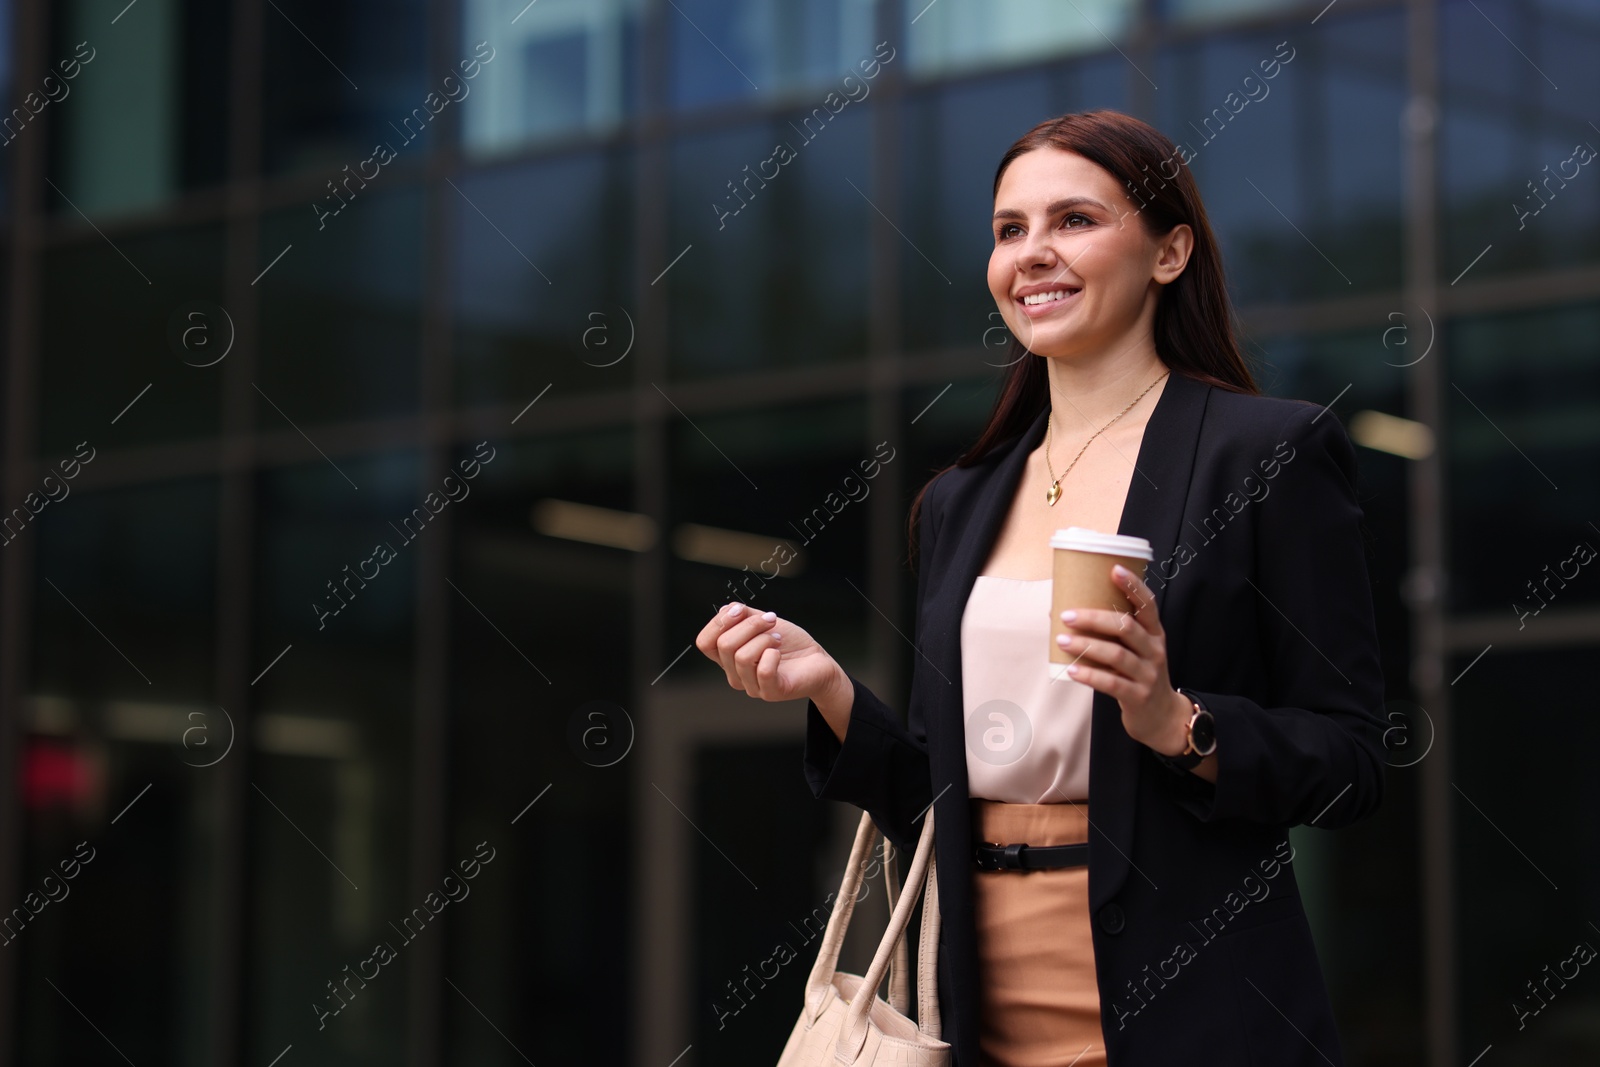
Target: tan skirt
pixel 1039 1005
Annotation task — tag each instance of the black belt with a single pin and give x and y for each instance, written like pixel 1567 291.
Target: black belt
pixel 992 857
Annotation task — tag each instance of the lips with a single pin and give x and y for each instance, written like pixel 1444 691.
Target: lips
pixel 1040 300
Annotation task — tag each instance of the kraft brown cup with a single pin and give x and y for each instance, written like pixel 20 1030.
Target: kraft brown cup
pixel 1081 578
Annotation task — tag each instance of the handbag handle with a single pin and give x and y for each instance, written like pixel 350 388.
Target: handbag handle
pixel 853 1035
pixel 900 965
pixel 822 972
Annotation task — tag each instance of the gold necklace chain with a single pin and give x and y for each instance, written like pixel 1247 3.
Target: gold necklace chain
pixel 1054 492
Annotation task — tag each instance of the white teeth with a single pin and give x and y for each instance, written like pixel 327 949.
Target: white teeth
pixel 1045 298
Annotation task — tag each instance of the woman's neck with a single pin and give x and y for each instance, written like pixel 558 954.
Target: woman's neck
pixel 1086 394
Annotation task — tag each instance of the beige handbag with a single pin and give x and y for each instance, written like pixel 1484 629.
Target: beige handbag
pixel 844 1021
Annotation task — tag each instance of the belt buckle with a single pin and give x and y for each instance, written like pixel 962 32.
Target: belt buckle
pixel 1010 858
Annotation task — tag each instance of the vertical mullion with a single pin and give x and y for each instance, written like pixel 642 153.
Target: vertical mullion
pixel 1426 492
pixel 236 543
pixel 30 44
pixel 657 992
pixel 430 746
pixel 885 345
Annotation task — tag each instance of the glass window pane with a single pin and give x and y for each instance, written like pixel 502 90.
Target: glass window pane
pixel 759 912
pixel 1524 402
pixel 1516 144
pixel 540 294
pixel 1296 147
pixel 331 788
pixel 341 78
pixel 953 35
pixel 542 695
pixel 1522 790
pixel 341 313
pixel 118 786
pixel 145 313
pixel 730 49
pixel 762 497
pixel 150 92
pixel 561 67
pixel 775 245
pixel 1196 12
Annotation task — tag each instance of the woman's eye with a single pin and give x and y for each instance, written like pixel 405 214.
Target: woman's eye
pixel 1067 222
pixel 1006 230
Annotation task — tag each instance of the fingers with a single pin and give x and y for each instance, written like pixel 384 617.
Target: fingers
pixel 735 639
pixel 757 665
pixel 1141 595
pixel 1112 655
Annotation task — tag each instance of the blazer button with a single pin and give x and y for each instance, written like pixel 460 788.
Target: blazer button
pixel 1111 920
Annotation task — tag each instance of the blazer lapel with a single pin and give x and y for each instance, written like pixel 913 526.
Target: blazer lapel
pixel 975 512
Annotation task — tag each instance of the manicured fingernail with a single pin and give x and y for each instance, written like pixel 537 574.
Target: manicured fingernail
pixel 1068 616
pixel 1072 668
pixel 769 616
pixel 776 636
pixel 734 610
pixel 1121 571
pixel 1063 640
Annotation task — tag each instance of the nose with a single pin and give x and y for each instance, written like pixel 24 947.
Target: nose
pixel 1037 251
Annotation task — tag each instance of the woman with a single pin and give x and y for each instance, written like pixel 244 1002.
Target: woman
pixel 1128 408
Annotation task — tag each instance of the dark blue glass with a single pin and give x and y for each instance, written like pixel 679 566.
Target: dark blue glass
pixel 1294 140
pixel 142 320
pixel 544 269
pixel 772 222
pixel 1524 397
pixel 341 309
pixel 340 78
pixel 726 50
pixel 1518 146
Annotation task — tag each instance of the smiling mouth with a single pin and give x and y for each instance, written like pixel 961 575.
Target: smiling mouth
pixel 1038 302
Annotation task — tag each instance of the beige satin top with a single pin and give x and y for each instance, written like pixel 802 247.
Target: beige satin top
pixel 1027 721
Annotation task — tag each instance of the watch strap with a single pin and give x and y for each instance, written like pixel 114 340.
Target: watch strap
pixel 1188 759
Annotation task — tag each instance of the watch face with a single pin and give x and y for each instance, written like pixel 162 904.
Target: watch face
pixel 1203 731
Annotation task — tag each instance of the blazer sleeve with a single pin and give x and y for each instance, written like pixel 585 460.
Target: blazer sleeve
pixel 1314 753
pixel 881 766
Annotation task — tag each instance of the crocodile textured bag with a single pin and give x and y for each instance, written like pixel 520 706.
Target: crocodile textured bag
pixel 844 1021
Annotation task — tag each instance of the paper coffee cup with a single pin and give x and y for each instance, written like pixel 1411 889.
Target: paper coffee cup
pixel 1081 578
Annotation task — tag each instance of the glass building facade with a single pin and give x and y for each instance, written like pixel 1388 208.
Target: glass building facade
pixel 523 333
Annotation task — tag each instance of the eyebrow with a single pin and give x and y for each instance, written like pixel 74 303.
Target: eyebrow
pixel 1055 206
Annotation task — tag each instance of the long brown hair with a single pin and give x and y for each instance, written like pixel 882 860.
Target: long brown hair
pixel 1194 331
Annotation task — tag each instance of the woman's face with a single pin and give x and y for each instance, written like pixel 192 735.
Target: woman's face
pixel 1073 269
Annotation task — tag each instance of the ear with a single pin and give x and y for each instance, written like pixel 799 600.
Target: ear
pixel 1172 253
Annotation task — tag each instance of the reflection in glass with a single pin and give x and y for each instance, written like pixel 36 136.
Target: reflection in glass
pixel 560 67
pixel 777 275
pixel 1524 402
pixel 329 810
pixel 769 507
pixel 1196 12
pixel 541 698
pixel 343 77
pixel 114 321
pixel 117 801
pixel 1517 157
pixel 1522 789
pixel 729 49
pixel 544 258
pixel 1296 146
pixel 148 110
pixel 951 35
pixel 341 311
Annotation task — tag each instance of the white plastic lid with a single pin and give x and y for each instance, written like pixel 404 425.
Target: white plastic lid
pixel 1082 539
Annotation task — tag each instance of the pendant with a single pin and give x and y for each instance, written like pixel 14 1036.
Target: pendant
pixel 1053 493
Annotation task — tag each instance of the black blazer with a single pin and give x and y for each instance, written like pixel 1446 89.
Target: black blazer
pixel 1202 949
